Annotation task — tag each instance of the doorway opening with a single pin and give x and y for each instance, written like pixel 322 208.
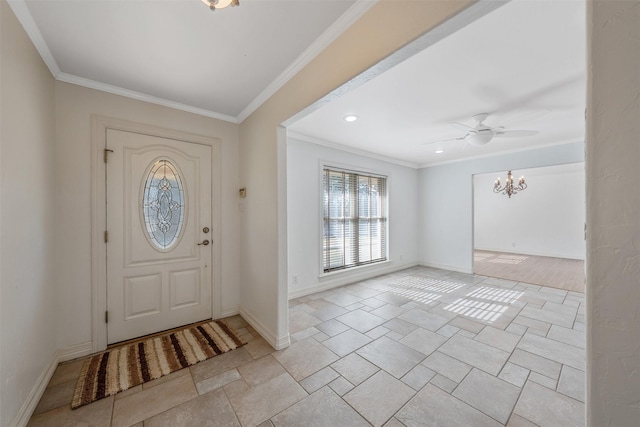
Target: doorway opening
pixel 537 235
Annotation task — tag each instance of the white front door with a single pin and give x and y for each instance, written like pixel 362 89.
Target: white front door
pixel 159 220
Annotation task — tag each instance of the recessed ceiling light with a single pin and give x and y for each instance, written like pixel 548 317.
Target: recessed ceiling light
pixel 439 151
pixel 350 118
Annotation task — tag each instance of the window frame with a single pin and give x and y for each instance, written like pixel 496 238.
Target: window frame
pixel 358 172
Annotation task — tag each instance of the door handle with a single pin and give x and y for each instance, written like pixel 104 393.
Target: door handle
pixel 204 242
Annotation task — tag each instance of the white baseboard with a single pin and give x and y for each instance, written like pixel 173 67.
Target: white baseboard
pixel 25 412
pixel 75 351
pixel 283 342
pixel 533 253
pixel 230 311
pixel 447 267
pixel 276 342
pixel 60 355
pixel 347 279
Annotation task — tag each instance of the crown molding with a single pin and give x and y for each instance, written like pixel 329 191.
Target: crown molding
pixel 22 12
pixel 336 146
pixel 359 8
pixel 116 90
pixel 500 153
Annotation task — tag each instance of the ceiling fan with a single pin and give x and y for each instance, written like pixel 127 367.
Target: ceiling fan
pixel 481 134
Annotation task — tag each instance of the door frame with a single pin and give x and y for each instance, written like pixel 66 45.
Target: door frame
pixel 99 126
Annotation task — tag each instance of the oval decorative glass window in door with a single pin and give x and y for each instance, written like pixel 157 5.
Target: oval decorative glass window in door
pixel 163 204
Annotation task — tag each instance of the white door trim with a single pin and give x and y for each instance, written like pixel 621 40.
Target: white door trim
pixel 99 126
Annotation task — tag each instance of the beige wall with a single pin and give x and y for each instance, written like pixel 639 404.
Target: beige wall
pixel 27 224
pixel 74 107
pixel 386 27
pixel 613 214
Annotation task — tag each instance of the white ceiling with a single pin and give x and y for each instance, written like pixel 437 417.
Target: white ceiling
pixel 524 63
pixel 222 64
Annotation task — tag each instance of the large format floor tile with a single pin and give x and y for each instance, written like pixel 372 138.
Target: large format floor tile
pixel 360 320
pixel 535 363
pixel 488 394
pixel 548 408
pixel 395 358
pixel 55 396
pixel 152 401
pixel 97 414
pixel 561 317
pixel 424 319
pixel 322 408
pixel 219 364
pixel 304 358
pixel 475 353
pixel 262 402
pixel 260 370
pixel 209 410
pixel 447 366
pixel 379 397
pixel 346 342
pixel 418 347
pixel 433 407
pixel 426 342
pixel 553 350
pixel 354 368
pixel 572 382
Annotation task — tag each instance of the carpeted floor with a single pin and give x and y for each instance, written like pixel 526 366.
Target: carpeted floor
pixel 558 273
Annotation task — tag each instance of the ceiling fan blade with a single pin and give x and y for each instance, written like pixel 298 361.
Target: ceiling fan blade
pixel 443 140
pixel 462 126
pixel 515 133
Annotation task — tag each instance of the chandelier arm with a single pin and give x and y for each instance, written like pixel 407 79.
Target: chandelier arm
pixel 509 187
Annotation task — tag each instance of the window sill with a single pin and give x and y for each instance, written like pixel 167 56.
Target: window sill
pixel 352 270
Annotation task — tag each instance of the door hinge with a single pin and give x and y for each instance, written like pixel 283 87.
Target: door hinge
pixel 106 236
pixel 106 316
pixel 106 154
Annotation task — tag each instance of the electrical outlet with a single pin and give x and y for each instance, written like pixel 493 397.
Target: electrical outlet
pixel 294 280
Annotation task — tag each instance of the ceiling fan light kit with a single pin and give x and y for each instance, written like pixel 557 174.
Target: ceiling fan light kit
pixel 220 4
pixel 482 134
pixel 509 189
pixel 479 138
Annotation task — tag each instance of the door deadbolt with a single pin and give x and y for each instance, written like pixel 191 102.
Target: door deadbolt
pixel 204 243
pixel 205 230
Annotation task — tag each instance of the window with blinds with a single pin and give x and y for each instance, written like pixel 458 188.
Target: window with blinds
pixel 355 219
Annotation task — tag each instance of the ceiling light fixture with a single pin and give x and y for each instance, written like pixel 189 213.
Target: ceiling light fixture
pixel 350 118
pixel 439 151
pixel 509 188
pixel 480 137
pixel 220 4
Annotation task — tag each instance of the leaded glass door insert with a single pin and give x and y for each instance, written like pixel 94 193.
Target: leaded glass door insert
pixel 163 204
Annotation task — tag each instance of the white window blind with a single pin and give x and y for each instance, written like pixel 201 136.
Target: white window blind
pixel 355 219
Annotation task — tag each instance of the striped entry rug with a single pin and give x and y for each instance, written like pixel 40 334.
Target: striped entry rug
pixel 124 367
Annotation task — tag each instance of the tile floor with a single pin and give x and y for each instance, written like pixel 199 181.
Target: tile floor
pixel 417 347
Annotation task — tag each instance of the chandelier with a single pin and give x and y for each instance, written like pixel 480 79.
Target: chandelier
pixel 509 188
pixel 220 4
